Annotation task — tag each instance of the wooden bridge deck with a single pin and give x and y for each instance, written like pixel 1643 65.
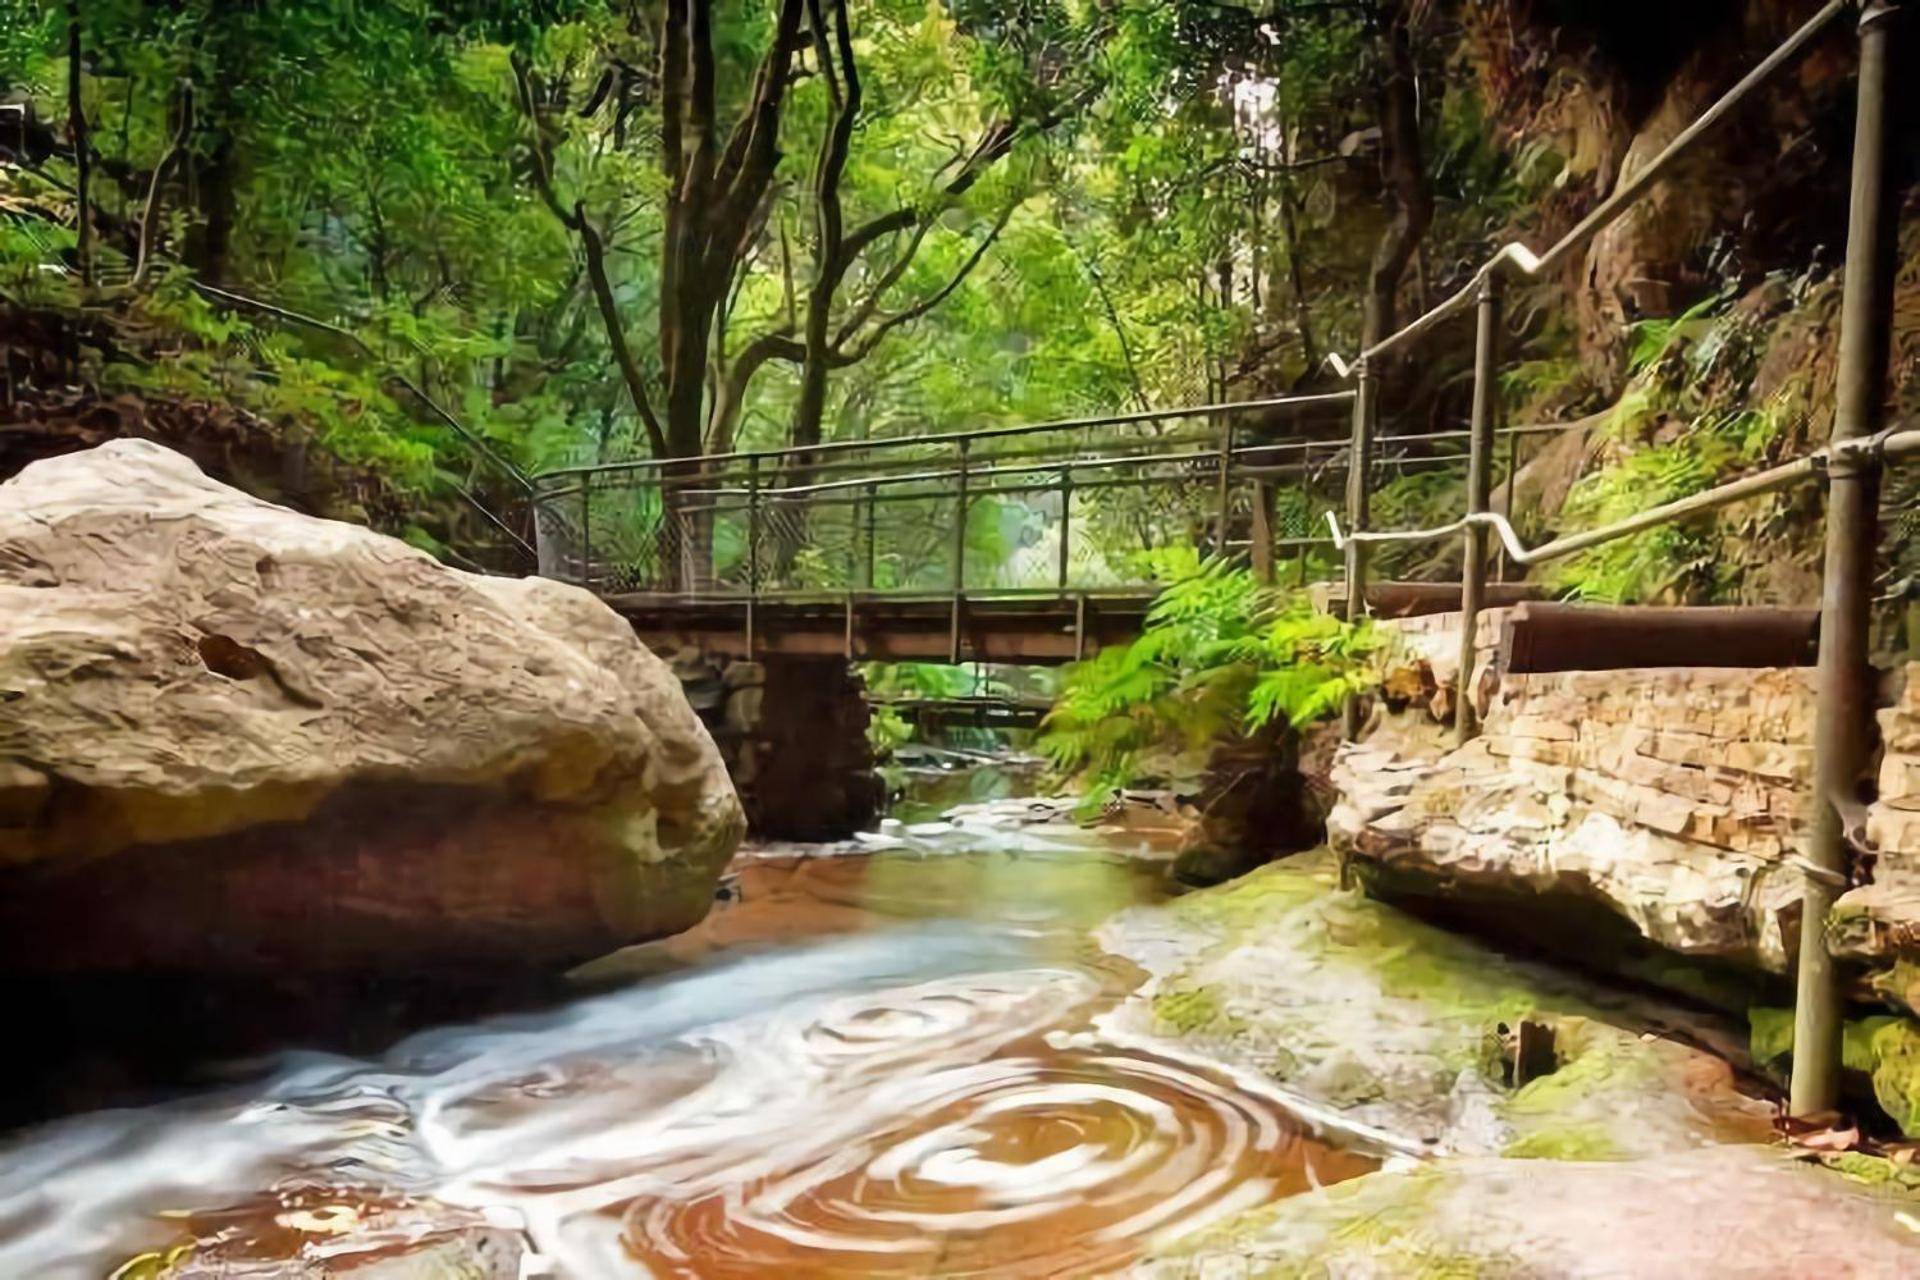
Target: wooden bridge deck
pixel 1028 628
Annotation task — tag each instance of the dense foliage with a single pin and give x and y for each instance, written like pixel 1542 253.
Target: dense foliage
pixel 993 215
pixel 1221 654
pixel 590 229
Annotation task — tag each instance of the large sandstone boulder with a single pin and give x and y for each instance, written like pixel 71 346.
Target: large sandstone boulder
pixel 237 738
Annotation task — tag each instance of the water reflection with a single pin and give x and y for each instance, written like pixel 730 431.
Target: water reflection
pixel 919 1097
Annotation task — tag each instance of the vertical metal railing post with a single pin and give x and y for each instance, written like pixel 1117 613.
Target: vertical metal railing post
pixel 753 548
pixel 1513 473
pixel 1223 505
pixel 1359 473
pixel 871 582
pixel 1263 531
pixel 1066 528
pixel 960 512
pixel 1843 724
pixel 586 529
pixel 1473 565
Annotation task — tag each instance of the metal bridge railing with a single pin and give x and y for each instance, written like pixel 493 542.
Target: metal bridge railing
pixel 903 516
pixel 1851 466
pixel 1047 508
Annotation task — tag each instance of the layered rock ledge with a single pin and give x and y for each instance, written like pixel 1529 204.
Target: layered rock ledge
pixel 236 738
pixel 1669 797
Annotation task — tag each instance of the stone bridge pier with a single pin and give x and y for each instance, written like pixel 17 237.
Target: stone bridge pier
pixel 792 729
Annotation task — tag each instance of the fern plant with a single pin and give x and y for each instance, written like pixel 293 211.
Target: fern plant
pixel 1221 655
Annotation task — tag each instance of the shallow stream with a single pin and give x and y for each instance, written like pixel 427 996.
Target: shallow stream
pixel 874 1061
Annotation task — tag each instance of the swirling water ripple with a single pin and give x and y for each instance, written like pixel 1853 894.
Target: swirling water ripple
pixel 917 1101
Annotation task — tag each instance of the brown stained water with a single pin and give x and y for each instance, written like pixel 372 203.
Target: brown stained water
pixel 864 1065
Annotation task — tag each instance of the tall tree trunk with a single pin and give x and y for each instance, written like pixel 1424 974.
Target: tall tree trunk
pixel 834 52
pixel 1296 280
pixel 82 149
pixel 1406 175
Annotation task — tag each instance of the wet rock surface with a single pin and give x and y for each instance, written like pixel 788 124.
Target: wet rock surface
pixel 989 1044
pixel 235 738
pixel 1391 1026
pixel 1736 1211
pixel 1639 1153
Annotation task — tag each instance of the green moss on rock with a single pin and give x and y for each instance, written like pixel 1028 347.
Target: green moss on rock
pixel 1398 1023
pixel 1195 1011
pixel 1884 1048
pixel 1896 1072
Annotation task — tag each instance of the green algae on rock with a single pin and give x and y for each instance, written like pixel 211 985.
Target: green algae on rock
pixel 1352 1006
pixel 1885 1049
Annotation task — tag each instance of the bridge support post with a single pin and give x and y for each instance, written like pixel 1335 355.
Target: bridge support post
pixel 1263 531
pixel 873 526
pixel 1224 498
pixel 1843 723
pixel 586 529
pixel 1473 564
pixel 1359 471
pixel 753 547
pixel 1066 529
pixel 961 509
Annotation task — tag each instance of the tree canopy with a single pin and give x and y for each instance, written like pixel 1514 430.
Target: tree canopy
pixel 595 229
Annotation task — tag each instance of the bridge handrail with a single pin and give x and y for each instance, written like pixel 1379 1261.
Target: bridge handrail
pixel 1280 403
pixel 1238 453
pixel 1052 460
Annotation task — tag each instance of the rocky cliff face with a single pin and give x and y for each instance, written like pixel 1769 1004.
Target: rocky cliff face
pixel 237 738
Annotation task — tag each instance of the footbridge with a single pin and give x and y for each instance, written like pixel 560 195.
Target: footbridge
pixel 1014 544
pixel 1025 544
pixel 1011 543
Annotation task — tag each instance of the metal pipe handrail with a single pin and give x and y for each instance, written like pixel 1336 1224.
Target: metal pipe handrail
pixel 1523 260
pixel 1894 444
pixel 1251 453
pixel 1062 452
pixel 1284 403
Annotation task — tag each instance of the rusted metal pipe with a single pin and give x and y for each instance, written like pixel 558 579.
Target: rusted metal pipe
pixel 1360 457
pixel 1473 567
pixel 960 506
pixel 1843 724
pixel 1066 525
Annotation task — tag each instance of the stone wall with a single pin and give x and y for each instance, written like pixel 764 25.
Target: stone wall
pixel 1879 922
pixel 1674 800
pixel 1667 797
pixel 793 733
